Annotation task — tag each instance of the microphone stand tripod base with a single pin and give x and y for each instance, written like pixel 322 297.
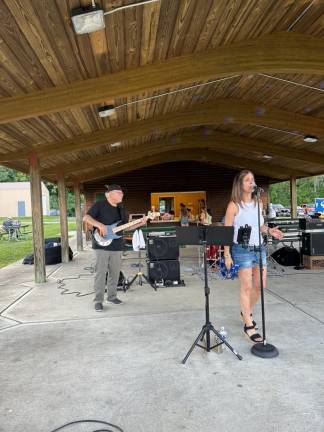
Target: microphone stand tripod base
pixel 264 350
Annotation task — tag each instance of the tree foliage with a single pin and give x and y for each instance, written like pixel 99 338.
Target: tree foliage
pixel 307 190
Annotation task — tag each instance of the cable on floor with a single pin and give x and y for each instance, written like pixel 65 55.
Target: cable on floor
pixel 98 422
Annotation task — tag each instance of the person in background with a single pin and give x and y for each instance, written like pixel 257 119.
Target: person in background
pixel 204 220
pixel 184 216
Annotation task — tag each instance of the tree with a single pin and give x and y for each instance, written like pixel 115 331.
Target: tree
pixel 307 190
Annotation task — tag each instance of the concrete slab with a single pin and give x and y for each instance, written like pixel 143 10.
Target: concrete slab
pixel 65 362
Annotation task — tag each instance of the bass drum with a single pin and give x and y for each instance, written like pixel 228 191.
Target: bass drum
pixel 211 252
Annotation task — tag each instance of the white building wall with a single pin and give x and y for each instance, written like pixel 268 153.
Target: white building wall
pixel 11 193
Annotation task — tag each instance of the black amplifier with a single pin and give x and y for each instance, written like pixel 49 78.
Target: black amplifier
pixel 313 243
pixel 162 248
pixel 311 224
pixel 166 270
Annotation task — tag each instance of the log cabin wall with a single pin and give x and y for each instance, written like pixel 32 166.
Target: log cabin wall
pixel 177 177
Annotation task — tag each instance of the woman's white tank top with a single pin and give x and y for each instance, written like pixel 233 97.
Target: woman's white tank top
pixel 248 215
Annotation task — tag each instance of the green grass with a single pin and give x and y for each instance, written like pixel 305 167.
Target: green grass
pixel 11 251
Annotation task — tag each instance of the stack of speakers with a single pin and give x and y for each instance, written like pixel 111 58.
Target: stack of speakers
pixel 312 240
pixel 312 236
pixel 163 260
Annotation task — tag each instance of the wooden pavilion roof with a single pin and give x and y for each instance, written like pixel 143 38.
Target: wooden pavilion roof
pixel 227 82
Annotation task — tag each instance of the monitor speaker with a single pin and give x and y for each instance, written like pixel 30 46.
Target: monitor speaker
pixel 313 243
pixel 162 248
pixel 167 270
pixel 287 256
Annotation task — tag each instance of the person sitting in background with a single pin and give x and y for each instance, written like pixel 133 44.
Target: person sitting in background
pixel 153 214
pixel 166 216
pixel 205 217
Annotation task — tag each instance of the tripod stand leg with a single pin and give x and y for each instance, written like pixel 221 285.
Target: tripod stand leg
pixel 133 280
pixel 201 335
pixel 226 343
pixel 147 280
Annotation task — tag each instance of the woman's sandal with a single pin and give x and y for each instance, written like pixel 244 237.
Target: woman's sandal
pixel 255 337
pixel 255 325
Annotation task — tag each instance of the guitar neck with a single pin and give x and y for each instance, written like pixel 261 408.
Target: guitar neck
pixel 125 226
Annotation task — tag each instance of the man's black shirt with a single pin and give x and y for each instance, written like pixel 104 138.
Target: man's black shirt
pixel 107 214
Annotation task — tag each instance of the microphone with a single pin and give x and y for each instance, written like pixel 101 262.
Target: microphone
pixel 257 188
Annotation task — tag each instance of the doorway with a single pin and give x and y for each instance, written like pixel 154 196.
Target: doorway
pixel 166 204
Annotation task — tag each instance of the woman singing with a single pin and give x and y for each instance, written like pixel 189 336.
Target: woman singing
pixel 242 210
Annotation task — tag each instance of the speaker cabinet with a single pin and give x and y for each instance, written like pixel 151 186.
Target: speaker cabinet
pixel 162 248
pixel 313 243
pixel 168 270
pixel 311 224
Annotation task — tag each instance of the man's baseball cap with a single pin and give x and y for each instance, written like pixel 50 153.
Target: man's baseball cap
pixel 113 187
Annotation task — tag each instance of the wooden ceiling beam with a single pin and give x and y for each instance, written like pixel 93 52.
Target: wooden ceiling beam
pixel 203 139
pixel 273 53
pixel 262 168
pixel 219 111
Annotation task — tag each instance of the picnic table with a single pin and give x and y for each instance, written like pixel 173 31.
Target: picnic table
pixel 14 230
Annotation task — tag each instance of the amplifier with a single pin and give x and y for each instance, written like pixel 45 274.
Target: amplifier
pixel 166 270
pixel 313 243
pixel 163 248
pixel 311 224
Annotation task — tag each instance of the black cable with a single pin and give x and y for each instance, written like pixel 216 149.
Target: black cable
pixel 66 291
pixel 294 305
pixel 116 428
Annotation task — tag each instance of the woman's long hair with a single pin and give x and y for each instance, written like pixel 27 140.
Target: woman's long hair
pixel 237 189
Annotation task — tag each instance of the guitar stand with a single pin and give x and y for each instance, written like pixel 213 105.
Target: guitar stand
pixel 140 275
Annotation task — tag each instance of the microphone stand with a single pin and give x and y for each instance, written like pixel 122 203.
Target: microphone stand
pixel 262 349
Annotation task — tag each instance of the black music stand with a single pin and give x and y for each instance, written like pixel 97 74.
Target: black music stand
pixel 202 235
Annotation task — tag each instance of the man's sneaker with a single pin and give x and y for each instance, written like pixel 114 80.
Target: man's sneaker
pixel 98 307
pixel 114 301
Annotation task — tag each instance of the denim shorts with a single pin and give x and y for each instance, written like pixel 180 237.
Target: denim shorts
pixel 248 257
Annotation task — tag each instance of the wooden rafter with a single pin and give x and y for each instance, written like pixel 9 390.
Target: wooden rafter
pixel 273 53
pixel 218 111
pixel 209 139
pixel 213 157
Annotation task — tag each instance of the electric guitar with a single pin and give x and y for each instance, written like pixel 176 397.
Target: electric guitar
pixel 112 231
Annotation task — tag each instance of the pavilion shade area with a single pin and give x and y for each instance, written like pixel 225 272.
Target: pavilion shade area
pixel 173 177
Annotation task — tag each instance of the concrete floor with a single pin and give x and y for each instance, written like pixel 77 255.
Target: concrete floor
pixel 61 361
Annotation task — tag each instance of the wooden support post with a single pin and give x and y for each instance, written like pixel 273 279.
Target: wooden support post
pixel 63 218
pixel 293 197
pixel 37 219
pixel 78 216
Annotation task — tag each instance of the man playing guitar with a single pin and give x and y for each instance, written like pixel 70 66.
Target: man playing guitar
pixel 101 216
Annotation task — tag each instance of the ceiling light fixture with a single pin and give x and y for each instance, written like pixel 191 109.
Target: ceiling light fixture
pixel 92 18
pixel 310 138
pixel 88 20
pixel 106 110
pixel 266 157
pixel 116 144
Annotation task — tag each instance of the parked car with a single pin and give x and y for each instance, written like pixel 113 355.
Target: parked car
pixel 284 212
pixel 277 208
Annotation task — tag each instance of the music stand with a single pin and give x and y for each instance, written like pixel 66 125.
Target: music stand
pixel 202 235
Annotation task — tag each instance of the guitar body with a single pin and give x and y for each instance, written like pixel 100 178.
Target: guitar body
pixel 109 237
